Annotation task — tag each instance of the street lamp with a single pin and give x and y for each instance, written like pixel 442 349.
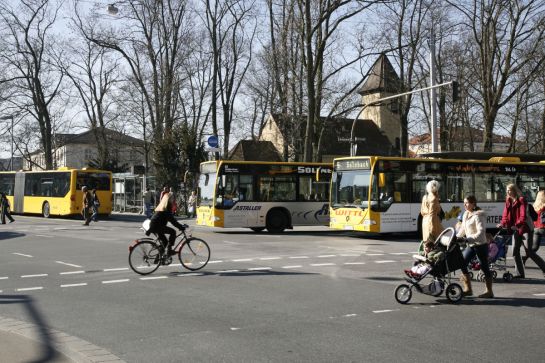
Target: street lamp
pixel 12 117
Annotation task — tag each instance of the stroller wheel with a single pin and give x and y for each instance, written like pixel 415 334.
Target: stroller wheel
pixel 507 277
pixel 480 276
pixel 471 275
pixel 454 292
pixel 403 293
pixel 494 274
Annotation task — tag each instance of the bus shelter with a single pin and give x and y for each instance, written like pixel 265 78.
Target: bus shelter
pixel 127 191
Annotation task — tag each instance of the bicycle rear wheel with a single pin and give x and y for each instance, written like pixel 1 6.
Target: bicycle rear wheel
pixel 194 254
pixel 145 258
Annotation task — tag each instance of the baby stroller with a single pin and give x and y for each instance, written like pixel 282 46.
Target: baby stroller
pixel 437 277
pixel 497 257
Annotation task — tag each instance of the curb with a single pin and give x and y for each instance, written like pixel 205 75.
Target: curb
pixel 74 348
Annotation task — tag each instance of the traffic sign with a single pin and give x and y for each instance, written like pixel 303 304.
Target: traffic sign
pixel 213 141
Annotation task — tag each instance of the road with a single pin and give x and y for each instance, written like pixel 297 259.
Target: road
pixel 308 295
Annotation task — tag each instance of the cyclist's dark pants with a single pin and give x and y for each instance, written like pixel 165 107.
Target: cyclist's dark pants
pixel 161 231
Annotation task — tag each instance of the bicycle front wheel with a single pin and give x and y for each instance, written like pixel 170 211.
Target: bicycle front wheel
pixel 194 254
pixel 145 258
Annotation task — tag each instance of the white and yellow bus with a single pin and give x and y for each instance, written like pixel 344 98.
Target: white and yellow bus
pixel 259 195
pixel 384 194
pixel 55 192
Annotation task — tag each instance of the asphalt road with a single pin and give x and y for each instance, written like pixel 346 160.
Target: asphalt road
pixel 308 295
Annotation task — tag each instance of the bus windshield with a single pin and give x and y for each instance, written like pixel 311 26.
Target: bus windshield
pixel 350 188
pixel 207 183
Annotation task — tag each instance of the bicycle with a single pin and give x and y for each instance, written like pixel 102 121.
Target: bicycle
pixel 147 254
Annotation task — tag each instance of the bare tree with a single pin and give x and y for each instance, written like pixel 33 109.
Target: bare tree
pixel 499 28
pixel 30 60
pixel 231 27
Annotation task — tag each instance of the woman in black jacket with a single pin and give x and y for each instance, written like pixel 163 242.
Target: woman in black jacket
pixel 159 220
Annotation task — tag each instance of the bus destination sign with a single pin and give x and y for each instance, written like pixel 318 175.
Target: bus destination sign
pixel 356 164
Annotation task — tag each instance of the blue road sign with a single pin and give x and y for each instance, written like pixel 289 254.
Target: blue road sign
pixel 213 141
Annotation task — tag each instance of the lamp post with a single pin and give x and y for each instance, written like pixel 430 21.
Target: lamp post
pixel 12 117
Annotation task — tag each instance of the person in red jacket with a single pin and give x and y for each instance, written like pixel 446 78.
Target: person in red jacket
pixel 514 218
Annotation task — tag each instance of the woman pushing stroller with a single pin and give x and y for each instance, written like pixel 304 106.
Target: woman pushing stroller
pixel 472 230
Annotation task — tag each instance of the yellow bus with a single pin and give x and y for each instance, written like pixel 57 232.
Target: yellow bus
pixel 384 194
pixel 259 195
pixel 55 192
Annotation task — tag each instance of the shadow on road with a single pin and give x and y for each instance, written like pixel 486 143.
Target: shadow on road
pixel 243 273
pixel 48 353
pixel 10 235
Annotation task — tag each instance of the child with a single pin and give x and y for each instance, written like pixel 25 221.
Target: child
pixel 431 254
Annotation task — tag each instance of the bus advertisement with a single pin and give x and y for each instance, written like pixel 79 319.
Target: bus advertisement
pixel 384 194
pixel 263 195
pixel 55 192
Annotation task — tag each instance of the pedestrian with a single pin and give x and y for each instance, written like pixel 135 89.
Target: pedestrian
pixel 430 210
pixel 86 204
pixel 473 232
pixel 166 189
pixel 514 218
pixel 192 205
pixel 148 202
pixel 95 205
pixel 539 226
pixel 5 209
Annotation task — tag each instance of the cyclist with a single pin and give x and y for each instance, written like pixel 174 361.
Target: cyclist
pixel 159 220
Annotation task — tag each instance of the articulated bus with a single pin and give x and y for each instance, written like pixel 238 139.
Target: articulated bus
pixel 384 194
pixel 55 192
pixel 259 195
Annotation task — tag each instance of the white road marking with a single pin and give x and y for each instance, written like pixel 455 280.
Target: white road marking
pixel 191 274
pixel 384 311
pixel 30 288
pixel 21 254
pixel 74 285
pixel 217 261
pixel 354 263
pixel 68 264
pixel 242 260
pixel 234 328
pixel 375 254
pixel 399 253
pixel 350 255
pixel 322 264
pixel 227 271
pixel 4 278
pixel 231 242
pixel 292 266
pixel 349 315
pixel 384 261
pixel 71 272
pixel 296 257
pixel 43 235
pixel 259 268
pixel 269 258
pixel 154 278
pixel 115 269
pixel 325 256
pixel 37 275
pixel 115 281
pixel 543 294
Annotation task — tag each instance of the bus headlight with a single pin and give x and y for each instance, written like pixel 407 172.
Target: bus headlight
pixel 333 220
pixel 217 219
pixel 369 222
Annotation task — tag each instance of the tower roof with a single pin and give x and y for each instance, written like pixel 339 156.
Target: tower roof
pixel 381 78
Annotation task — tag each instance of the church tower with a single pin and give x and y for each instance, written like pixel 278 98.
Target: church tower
pixel 381 82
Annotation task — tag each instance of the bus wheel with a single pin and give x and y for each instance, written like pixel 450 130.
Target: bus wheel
pixel 46 210
pixel 257 229
pixel 276 221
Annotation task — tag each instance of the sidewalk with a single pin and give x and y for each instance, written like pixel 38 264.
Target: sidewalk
pixel 22 342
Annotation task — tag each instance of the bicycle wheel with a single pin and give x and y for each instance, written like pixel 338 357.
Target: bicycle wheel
pixel 145 258
pixel 194 254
